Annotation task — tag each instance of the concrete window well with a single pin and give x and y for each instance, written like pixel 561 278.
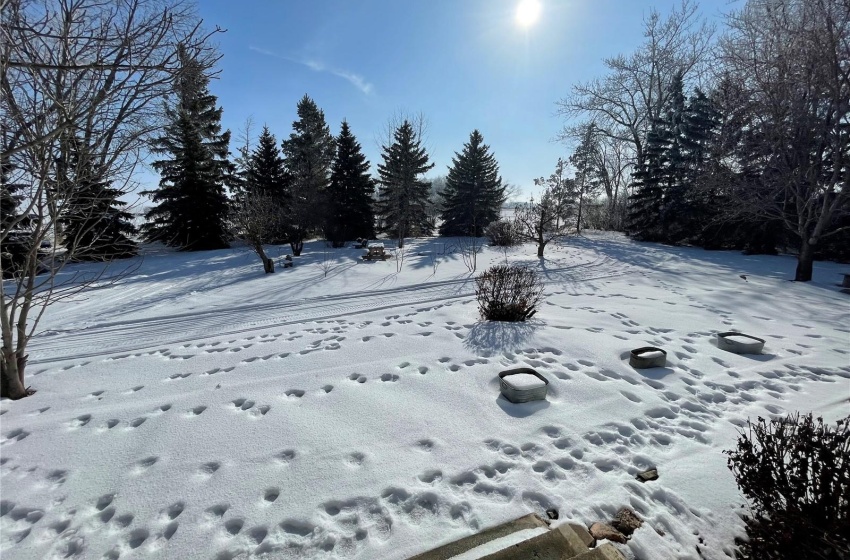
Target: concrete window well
pixel 647 357
pixel 739 343
pixel 523 385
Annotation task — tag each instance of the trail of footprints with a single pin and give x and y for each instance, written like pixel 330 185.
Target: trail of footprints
pixel 346 526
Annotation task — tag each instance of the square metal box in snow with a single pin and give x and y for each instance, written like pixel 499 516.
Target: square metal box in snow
pixel 739 343
pixel 523 388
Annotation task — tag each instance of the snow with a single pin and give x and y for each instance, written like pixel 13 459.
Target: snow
pixel 651 354
pixel 524 381
pixel 740 338
pixel 198 408
pixel 501 543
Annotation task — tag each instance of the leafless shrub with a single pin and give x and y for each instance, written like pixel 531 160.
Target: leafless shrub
pixel 258 220
pixel 794 471
pixel 508 293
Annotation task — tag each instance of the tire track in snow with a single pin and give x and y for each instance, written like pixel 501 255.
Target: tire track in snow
pixel 140 334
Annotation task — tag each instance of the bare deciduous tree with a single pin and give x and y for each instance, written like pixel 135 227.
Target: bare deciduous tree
pixel 258 220
pixel 89 70
pixel 624 103
pixel 792 60
pixel 548 218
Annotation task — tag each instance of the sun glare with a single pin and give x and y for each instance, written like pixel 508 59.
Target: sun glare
pixel 527 12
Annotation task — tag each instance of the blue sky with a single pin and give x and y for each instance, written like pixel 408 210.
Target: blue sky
pixel 464 64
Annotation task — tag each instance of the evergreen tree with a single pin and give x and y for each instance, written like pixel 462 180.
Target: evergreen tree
pixel 675 177
pixel 95 226
pixel 350 214
pixel 10 196
pixel 660 196
pixel 403 195
pixel 646 202
pixel 266 175
pixel 474 193
pixel 584 160
pixel 698 220
pixel 13 242
pixel 191 205
pixel 266 181
pixel 308 154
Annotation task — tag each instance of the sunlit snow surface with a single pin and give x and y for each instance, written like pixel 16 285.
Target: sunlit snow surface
pixel 201 409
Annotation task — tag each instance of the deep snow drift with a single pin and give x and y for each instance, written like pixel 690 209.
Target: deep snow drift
pixel 200 409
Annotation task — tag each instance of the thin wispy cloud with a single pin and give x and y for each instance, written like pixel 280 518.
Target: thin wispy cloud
pixel 356 80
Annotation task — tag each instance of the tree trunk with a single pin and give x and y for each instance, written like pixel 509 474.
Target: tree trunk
pixel 297 247
pixel 805 262
pixel 12 377
pixel 268 264
pixel 578 221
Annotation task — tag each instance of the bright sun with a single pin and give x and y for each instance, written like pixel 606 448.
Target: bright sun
pixel 527 12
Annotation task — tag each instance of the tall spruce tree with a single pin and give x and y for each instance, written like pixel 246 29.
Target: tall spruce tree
pixel 266 175
pixel 95 226
pixel 587 183
pixel 659 177
pixel 403 194
pixel 191 205
pixel 474 192
pixel 350 214
pixel 308 154
pixel 647 200
pixel 698 213
pixel 266 183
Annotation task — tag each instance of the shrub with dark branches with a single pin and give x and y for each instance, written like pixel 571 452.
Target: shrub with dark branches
pixel 795 472
pixel 508 293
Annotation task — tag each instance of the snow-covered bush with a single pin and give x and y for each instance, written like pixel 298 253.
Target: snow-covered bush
pixel 508 293
pixel 501 234
pixel 795 471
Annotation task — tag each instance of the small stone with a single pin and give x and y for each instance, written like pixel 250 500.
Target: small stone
pixel 646 476
pixel 552 513
pixel 626 521
pixel 601 531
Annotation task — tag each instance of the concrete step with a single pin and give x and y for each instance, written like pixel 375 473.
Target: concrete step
pixel 526 537
pixel 527 523
pixel 561 543
pixel 582 533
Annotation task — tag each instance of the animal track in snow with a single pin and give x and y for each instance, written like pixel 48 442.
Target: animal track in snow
pixel 136 423
pixel 173 511
pixel 431 476
pixel 206 470
pixel 216 512
pixel 271 494
pixel 285 457
pixel 355 459
pixel 79 421
pixel 145 464
pixel 197 411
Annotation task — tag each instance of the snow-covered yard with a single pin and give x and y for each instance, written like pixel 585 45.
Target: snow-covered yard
pixel 200 409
